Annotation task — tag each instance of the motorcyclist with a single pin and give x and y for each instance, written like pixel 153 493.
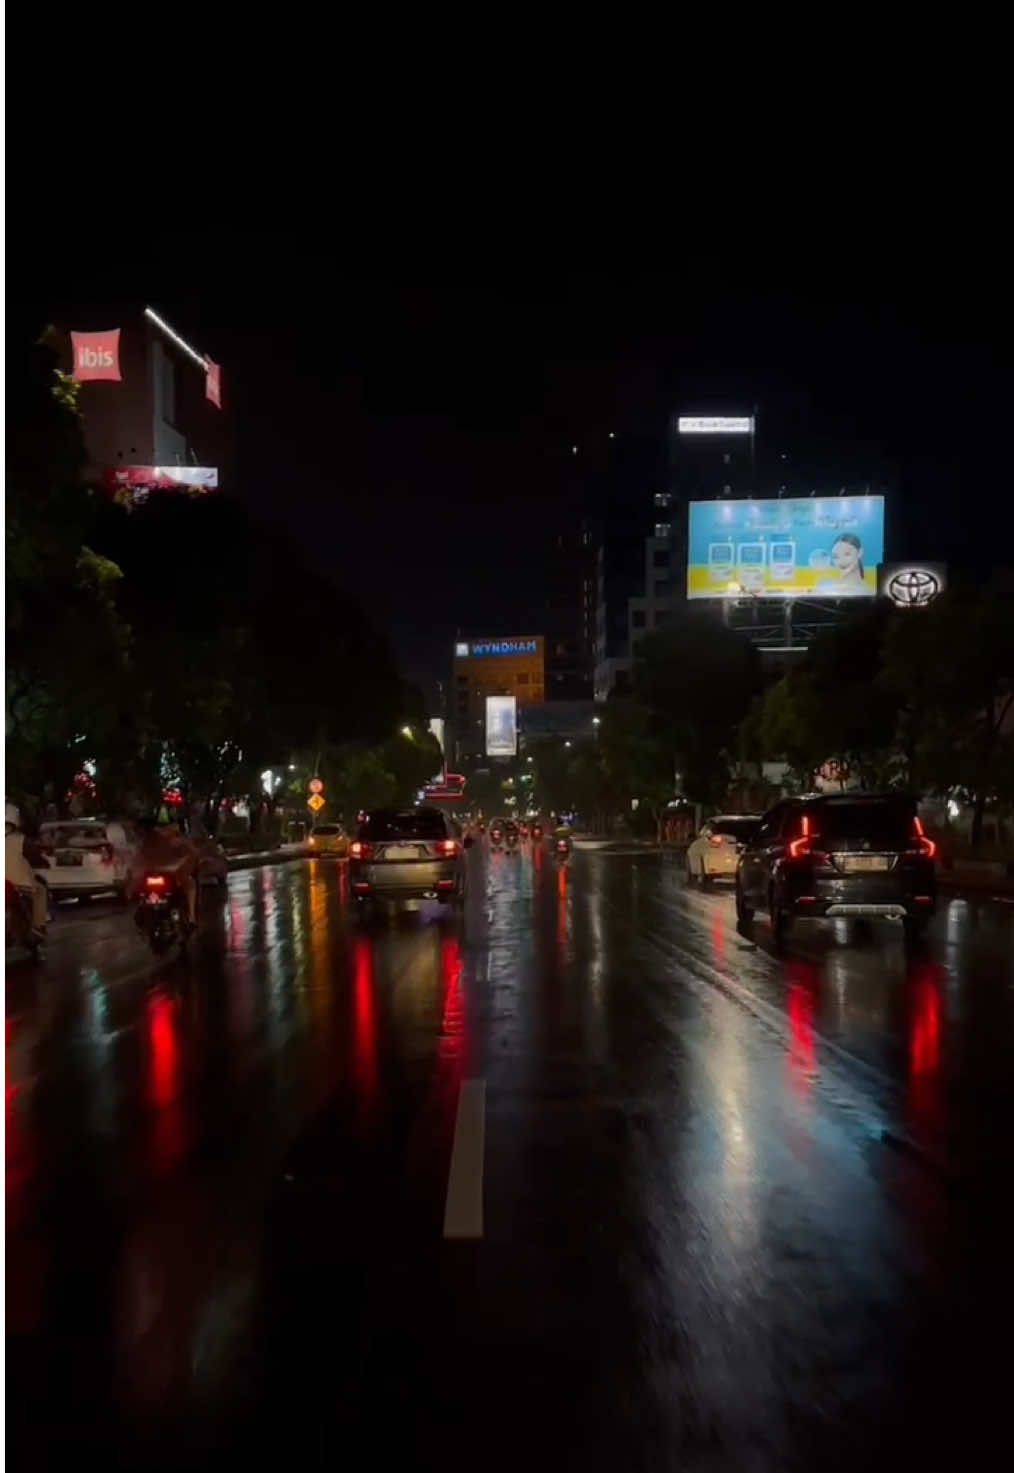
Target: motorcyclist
pixel 165 850
pixel 19 872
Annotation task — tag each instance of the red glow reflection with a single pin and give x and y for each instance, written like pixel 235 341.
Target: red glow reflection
pixel 364 1033
pixel 924 1043
pixel 164 1078
pixel 453 1037
pixel 802 1050
pixel 718 938
pixel 561 910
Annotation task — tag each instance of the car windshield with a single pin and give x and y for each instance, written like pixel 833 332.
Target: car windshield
pixel 874 820
pixel 409 825
pixel 736 828
pixel 70 833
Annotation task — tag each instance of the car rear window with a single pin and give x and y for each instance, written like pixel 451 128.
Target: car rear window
pixel 70 833
pixel 328 828
pixel 410 825
pixel 874 821
pixel 737 828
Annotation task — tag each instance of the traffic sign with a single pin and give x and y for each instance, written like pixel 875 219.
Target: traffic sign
pixel 315 785
pixel 316 803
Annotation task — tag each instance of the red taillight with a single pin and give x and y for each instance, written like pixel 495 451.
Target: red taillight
pixel 359 850
pixel 801 846
pixel 156 882
pixel 927 847
pixel 447 847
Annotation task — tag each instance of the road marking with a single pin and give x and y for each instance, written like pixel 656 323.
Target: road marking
pixel 463 1209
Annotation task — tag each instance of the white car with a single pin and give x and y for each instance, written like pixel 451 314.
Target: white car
pixel 714 853
pixel 85 857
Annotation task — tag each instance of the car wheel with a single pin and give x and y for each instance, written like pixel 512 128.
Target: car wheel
pixel 744 912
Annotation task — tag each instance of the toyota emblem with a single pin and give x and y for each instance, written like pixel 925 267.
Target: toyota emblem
pixel 913 588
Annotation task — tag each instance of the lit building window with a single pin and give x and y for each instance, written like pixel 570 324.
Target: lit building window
pixel 662 529
pixel 662 498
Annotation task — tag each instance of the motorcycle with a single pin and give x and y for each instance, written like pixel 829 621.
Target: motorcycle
pixel 562 848
pixel 496 836
pixel 18 928
pixel 161 914
pixel 537 833
pixel 511 839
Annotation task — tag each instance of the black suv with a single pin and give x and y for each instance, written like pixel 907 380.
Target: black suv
pixel 850 854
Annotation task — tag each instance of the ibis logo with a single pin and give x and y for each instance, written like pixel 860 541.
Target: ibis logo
pixel 96 355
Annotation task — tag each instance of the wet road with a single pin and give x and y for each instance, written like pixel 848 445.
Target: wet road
pixel 586 1180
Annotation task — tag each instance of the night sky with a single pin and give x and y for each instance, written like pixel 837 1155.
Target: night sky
pixel 415 432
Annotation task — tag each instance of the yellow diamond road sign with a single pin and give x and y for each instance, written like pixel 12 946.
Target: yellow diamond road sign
pixel 316 803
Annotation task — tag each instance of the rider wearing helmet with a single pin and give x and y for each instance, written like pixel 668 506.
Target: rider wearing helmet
pixel 166 851
pixel 20 874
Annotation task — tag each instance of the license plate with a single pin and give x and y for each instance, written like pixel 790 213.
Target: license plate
pixel 70 858
pixel 867 862
pixel 401 851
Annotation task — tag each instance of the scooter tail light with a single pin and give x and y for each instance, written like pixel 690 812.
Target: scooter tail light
pixel 156 882
pixel 358 849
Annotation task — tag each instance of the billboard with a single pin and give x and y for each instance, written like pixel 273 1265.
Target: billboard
pixel 715 424
pixel 483 648
pixel 796 547
pixel 96 355
pixel 912 585
pixel 501 726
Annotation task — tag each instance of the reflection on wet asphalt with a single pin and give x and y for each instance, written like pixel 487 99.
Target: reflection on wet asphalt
pixel 741 1209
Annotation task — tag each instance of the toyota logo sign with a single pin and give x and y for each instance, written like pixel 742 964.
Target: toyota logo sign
pixel 913 586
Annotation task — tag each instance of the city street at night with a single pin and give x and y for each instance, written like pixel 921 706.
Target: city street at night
pixel 582 1177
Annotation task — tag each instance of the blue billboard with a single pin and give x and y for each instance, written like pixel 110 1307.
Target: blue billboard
pixel 796 547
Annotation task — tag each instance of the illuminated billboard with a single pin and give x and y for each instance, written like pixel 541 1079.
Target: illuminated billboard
pixel 479 649
pixel 797 547
pixel 501 726
pixel 715 424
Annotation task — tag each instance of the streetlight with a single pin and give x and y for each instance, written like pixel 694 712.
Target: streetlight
pixel 596 721
pixel 566 744
pixel 406 731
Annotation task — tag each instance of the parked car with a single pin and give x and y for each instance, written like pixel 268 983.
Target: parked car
pixel 853 854
pixel 715 852
pixel 330 838
pixel 410 854
pixel 85 857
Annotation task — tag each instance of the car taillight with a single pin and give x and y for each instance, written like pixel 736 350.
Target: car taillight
pixel 715 839
pixel 156 882
pixel 448 847
pixel 359 850
pixel 926 847
pixel 804 844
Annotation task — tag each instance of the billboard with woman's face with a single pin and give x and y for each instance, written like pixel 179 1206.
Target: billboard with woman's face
pixel 797 547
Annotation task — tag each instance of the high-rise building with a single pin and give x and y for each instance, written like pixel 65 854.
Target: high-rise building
pixel 152 405
pixel 513 666
pixel 568 617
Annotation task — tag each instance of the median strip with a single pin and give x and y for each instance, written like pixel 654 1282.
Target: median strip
pixel 463 1208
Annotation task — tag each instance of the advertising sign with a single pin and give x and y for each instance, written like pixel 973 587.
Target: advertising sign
pixel 804 547
pixel 96 355
pixel 436 725
pixel 912 585
pixel 715 424
pixel 501 726
pixel 213 382
pixel 483 648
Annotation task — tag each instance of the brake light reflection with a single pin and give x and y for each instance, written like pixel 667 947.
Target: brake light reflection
pixel 164 1081
pixel 364 1030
